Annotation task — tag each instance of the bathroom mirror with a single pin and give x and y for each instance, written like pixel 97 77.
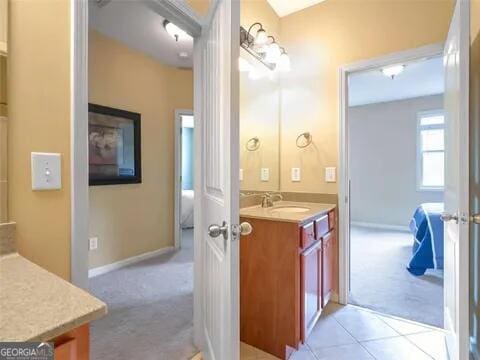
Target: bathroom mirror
pixel 259 127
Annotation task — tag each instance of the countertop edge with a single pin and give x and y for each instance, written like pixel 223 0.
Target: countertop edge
pixel 51 334
pixel 300 222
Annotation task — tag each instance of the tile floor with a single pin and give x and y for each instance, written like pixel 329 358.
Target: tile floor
pixel 353 333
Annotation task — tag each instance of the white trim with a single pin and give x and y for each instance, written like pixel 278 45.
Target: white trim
pixel 177 175
pixel 198 90
pixel 129 261
pixel 344 176
pixel 79 142
pixel 380 226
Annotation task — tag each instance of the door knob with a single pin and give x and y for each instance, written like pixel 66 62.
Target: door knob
pixel 245 228
pixel 215 230
pixel 448 217
pixel 475 218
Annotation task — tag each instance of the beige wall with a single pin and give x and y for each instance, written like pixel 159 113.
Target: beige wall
pixel 133 219
pixel 39 120
pixel 319 40
pixel 199 6
pixel 259 109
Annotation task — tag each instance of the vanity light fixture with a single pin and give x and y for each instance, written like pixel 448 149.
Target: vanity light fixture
pixel 392 71
pixel 264 48
pixel 244 65
pixel 283 63
pixel 273 52
pixel 175 32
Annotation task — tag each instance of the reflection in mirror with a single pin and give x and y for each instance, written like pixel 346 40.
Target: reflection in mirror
pixel 259 126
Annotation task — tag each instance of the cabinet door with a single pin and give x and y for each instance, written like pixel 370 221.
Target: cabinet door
pixel 328 266
pixel 311 290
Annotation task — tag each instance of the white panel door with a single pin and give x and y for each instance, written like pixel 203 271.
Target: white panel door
pixel 217 189
pixel 456 63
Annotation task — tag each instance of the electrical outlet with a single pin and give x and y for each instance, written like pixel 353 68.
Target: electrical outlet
pixel 264 174
pixel 93 243
pixel 296 174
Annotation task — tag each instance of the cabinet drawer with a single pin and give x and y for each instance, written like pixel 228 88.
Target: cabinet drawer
pixel 322 227
pixel 332 219
pixel 307 235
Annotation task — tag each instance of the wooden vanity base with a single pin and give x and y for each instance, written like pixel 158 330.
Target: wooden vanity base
pixel 287 275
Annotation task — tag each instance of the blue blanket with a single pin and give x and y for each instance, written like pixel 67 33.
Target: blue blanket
pixel 427 229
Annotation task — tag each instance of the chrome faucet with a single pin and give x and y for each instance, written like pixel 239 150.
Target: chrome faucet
pixel 268 199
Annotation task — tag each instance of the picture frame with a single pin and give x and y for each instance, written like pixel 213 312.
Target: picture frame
pixel 114 145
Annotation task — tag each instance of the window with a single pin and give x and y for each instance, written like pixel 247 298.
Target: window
pixel 431 150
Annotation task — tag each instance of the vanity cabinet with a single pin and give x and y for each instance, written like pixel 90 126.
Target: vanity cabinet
pixel 287 276
pixel 73 345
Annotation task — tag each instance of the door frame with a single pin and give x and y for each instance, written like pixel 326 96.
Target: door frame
pixel 344 172
pixel 79 202
pixel 178 175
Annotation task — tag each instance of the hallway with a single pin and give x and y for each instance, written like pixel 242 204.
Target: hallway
pixel 150 309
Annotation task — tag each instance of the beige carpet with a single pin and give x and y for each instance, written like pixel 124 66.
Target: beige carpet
pixel 380 281
pixel 150 307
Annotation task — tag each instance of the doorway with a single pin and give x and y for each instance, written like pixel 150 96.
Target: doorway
pixel 396 127
pixel 393 176
pixel 184 174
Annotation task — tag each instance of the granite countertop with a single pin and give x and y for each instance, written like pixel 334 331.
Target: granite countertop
pixel 315 209
pixel 36 305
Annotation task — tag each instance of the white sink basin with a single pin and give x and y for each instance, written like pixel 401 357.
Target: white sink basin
pixel 290 209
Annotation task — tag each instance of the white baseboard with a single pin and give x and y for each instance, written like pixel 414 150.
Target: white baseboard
pixel 380 226
pixel 125 262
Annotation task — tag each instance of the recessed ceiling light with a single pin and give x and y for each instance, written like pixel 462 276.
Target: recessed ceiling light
pixel 175 31
pixel 392 71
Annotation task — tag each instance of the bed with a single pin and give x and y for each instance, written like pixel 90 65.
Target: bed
pixel 427 229
pixel 186 216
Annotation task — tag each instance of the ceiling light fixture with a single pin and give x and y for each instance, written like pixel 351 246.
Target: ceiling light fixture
pixel 174 31
pixel 392 71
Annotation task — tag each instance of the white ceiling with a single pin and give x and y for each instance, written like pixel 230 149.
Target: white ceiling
pixel 139 27
pixel 420 78
pixel 286 7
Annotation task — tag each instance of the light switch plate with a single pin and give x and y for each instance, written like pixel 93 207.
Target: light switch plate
pixel 296 174
pixel 93 243
pixel 240 175
pixel 330 174
pixel 46 171
pixel 264 174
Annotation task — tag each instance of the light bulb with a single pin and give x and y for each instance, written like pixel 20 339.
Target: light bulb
pixel 244 65
pixel 393 71
pixel 283 63
pixel 273 53
pixel 261 38
pixel 175 31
